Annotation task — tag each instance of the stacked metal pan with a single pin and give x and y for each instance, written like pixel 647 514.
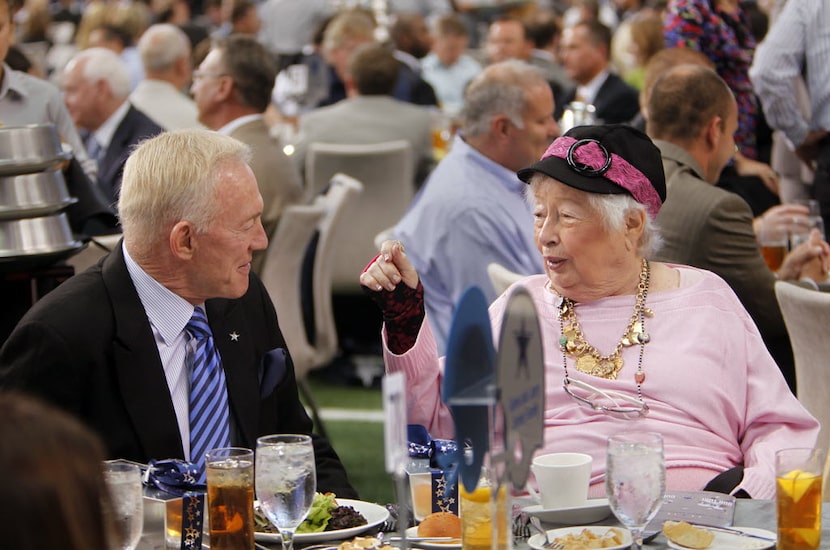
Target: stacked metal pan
pixel 34 229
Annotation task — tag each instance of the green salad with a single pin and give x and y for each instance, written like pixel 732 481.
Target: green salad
pixel 324 515
pixel 319 514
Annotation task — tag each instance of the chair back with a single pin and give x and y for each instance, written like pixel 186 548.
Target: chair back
pixel 281 275
pixel 807 315
pixel 386 171
pixel 501 277
pixel 343 192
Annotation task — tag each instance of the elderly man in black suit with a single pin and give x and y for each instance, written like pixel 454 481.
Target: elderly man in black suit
pixel 586 56
pixel 126 344
pixel 96 86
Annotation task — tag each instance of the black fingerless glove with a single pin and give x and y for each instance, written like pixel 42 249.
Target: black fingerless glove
pixel 403 314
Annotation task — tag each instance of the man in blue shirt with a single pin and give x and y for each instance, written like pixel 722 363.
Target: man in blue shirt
pixel 472 210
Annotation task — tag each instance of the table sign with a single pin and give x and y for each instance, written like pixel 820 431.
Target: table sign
pixel 520 379
pixel 394 427
pixel 703 507
pixel 393 387
pixel 469 388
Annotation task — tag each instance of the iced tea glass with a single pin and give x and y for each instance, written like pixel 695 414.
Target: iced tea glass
pixel 798 475
pixel 476 513
pixel 230 496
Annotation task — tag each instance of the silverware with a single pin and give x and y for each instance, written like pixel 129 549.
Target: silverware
pixel 521 526
pixel 424 539
pixel 537 525
pixel 736 532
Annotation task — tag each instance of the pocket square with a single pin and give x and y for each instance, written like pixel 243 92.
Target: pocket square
pixel 271 371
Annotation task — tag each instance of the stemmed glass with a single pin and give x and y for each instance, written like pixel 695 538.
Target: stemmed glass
pixel 123 479
pixel 286 481
pixel 635 480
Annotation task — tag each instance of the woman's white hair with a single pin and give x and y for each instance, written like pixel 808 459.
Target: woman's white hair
pixel 613 210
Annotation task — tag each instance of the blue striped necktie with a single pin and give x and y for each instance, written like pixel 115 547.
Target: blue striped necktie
pixel 209 415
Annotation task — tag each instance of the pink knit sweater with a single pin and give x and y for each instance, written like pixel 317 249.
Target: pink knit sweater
pixel 713 390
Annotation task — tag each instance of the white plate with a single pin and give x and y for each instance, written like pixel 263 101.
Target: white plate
pixel 375 514
pixel 591 512
pixel 413 532
pixel 537 542
pixel 730 541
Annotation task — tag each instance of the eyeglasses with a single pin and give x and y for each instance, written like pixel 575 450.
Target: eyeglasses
pixel 608 401
pixel 207 74
pixel 585 169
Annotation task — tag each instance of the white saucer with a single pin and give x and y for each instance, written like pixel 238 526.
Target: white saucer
pixel 537 542
pixel 730 541
pixel 591 512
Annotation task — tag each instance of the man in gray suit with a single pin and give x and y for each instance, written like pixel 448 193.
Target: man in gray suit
pixel 370 114
pixel 232 89
pixel 692 116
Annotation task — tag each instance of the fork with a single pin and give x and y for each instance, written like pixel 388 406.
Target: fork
pixel 521 527
pixel 549 545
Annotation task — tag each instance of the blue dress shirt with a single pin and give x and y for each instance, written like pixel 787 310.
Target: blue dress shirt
pixel 470 212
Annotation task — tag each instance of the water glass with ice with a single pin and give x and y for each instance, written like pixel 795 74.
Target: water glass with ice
pixel 635 480
pixel 286 481
pixel 123 480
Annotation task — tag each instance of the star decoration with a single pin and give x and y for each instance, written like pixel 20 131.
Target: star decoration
pixel 522 340
pixel 234 336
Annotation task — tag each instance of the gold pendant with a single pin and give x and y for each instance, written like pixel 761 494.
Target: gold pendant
pixel 586 364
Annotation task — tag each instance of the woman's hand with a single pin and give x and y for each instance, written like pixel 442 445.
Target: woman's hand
pixel 389 268
pixel 747 167
pixel 810 259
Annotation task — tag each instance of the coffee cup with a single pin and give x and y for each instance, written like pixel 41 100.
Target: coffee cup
pixel 562 479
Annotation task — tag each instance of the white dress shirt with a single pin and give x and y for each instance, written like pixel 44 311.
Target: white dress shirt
pixel 168 314
pixel 800 37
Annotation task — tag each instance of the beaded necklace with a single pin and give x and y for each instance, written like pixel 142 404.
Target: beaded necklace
pixel 588 359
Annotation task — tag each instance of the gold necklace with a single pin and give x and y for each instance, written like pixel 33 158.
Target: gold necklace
pixel 588 359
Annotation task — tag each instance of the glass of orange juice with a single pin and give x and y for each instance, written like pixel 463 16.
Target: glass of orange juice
pixel 799 481
pixel 420 488
pixel 477 517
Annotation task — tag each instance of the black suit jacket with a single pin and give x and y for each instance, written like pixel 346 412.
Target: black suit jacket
pixel 88 347
pixel 616 102
pixel 135 127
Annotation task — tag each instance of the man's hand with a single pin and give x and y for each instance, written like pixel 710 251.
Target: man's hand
pixel 781 217
pixel 809 149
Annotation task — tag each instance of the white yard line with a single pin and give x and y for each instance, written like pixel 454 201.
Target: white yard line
pixel 352 414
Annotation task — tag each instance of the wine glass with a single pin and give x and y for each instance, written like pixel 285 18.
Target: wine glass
pixel 123 479
pixel 635 480
pixel 286 480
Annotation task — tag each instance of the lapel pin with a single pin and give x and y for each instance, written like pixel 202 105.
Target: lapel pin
pixel 234 336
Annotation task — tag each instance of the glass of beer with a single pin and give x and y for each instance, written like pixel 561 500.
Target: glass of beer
pixel 774 243
pixel 230 498
pixel 799 480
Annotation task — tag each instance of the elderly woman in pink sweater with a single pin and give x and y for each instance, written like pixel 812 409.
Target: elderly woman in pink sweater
pixel 672 343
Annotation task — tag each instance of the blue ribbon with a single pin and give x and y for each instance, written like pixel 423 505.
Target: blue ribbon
pixel 442 453
pixel 180 478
